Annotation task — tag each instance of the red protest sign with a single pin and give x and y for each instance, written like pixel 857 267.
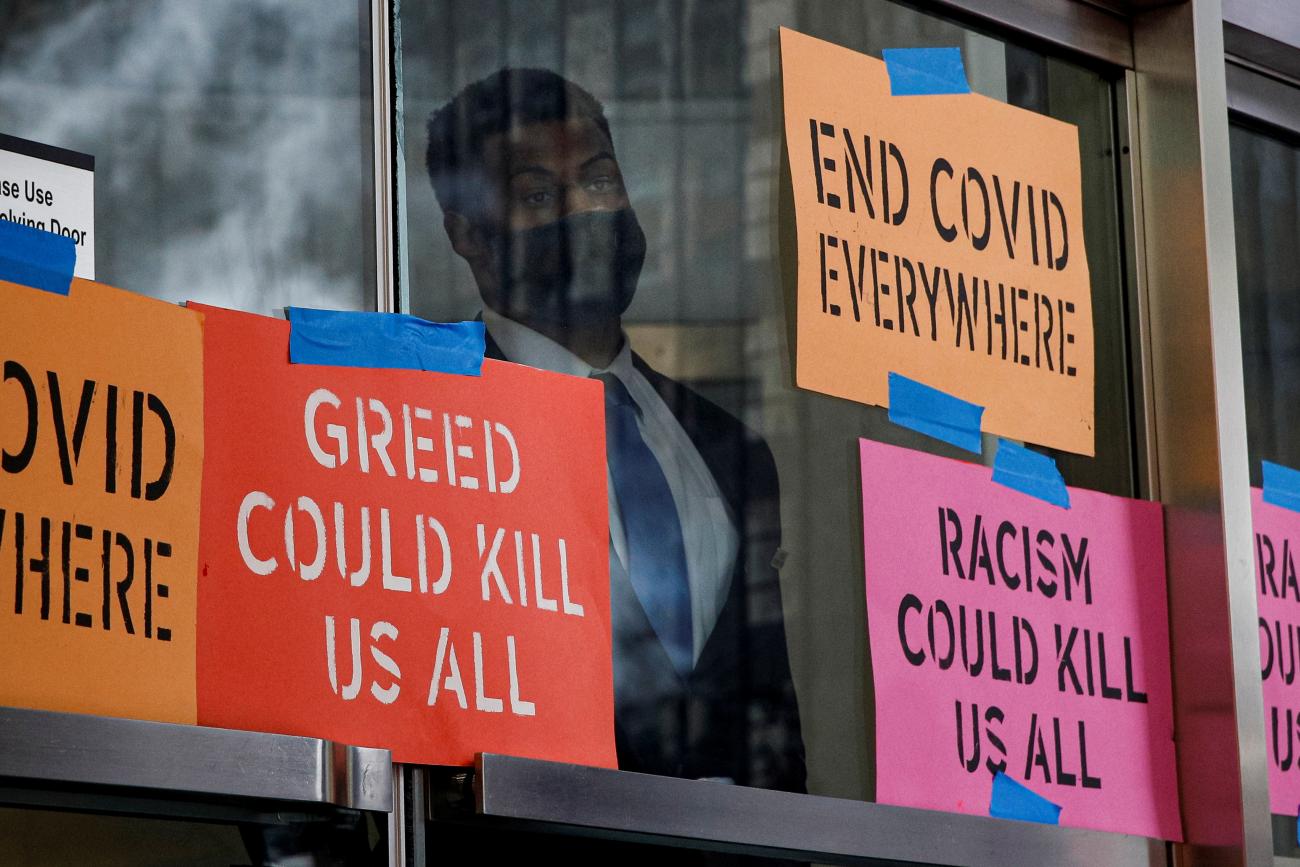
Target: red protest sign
pixel 403 559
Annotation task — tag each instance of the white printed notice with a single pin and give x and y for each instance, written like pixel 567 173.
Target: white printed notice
pixel 50 188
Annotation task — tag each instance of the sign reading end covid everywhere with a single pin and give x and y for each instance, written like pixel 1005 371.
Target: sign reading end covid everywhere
pixel 51 189
pixel 939 237
pixel 101 452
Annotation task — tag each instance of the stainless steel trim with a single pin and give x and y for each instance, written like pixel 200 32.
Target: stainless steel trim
pixel 416 817
pixel 715 816
pixel 1075 26
pixel 1146 451
pixel 1199 404
pixel 192 760
pixel 381 52
pixel 1289 74
pixel 1278 20
pixel 1263 36
pixel 1266 56
pixel 1263 98
pixel 398 821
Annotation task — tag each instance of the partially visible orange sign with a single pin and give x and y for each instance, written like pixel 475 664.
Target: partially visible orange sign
pixel 939 237
pixel 101 458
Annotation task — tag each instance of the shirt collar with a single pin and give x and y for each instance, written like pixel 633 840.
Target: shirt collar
pixel 523 345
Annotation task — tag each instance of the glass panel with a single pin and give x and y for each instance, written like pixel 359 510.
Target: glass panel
pixel 38 837
pixel 1266 209
pixel 231 141
pixel 689 93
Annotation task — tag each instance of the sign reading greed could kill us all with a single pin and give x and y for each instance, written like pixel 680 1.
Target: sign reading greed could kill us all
pixel 401 558
pixel 939 237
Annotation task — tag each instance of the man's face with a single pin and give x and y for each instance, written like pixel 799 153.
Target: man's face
pixel 562 246
pixel 544 172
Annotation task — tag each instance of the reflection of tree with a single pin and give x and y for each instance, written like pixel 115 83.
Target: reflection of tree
pixel 229 141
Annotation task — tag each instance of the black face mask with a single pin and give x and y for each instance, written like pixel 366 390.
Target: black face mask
pixel 579 270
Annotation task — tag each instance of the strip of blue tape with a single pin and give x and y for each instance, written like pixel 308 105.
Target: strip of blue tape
pixel 385 340
pixel 1281 486
pixel 934 413
pixel 925 71
pixel 36 258
pixel 1011 800
pixel 1030 472
pixel 1297 827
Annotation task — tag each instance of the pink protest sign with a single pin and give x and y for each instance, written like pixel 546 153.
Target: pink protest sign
pixel 1277 535
pixel 1011 635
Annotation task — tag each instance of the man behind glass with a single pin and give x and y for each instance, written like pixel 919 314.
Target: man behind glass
pixel 523 165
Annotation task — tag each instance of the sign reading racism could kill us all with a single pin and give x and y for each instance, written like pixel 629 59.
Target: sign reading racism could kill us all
pixel 939 237
pixel 403 558
pixel 1011 636
pixel 1277 549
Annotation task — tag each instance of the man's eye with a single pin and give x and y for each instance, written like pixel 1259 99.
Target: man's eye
pixel 602 184
pixel 537 198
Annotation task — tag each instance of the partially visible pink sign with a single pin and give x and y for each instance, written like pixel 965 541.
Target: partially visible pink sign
pixel 1277 535
pixel 1011 635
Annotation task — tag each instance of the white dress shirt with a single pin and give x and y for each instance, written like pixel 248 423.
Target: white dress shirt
pixel 708 532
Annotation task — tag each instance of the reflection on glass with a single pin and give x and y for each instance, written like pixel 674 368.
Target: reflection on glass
pixel 534 202
pixel 689 95
pixel 1266 207
pixel 231 141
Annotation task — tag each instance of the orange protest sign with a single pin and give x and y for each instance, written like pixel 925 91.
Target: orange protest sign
pixel 939 237
pixel 101 451
pixel 403 559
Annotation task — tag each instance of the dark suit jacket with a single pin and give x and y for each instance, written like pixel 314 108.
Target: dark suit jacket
pixel 735 714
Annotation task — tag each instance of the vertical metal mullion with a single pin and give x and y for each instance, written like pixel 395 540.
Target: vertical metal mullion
pixel 398 820
pixel 381 55
pixel 1198 411
pixel 1146 452
pixel 402 241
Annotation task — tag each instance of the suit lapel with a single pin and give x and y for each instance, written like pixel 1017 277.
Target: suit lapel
pixel 491 349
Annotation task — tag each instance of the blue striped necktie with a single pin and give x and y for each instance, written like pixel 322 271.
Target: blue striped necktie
pixel 655 551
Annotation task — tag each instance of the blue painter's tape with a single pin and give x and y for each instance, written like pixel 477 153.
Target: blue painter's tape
pixel 1281 486
pixel 36 258
pixel 388 340
pixel 1030 473
pixel 925 71
pixel 1013 801
pixel 934 413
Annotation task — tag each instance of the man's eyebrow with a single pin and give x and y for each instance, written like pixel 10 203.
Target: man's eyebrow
pixel 603 155
pixel 530 169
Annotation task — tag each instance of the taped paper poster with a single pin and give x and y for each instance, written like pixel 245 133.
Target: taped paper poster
pixel 1010 636
pixel 101 451
pixel 400 558
pixel 939 237
pixel 1276 549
